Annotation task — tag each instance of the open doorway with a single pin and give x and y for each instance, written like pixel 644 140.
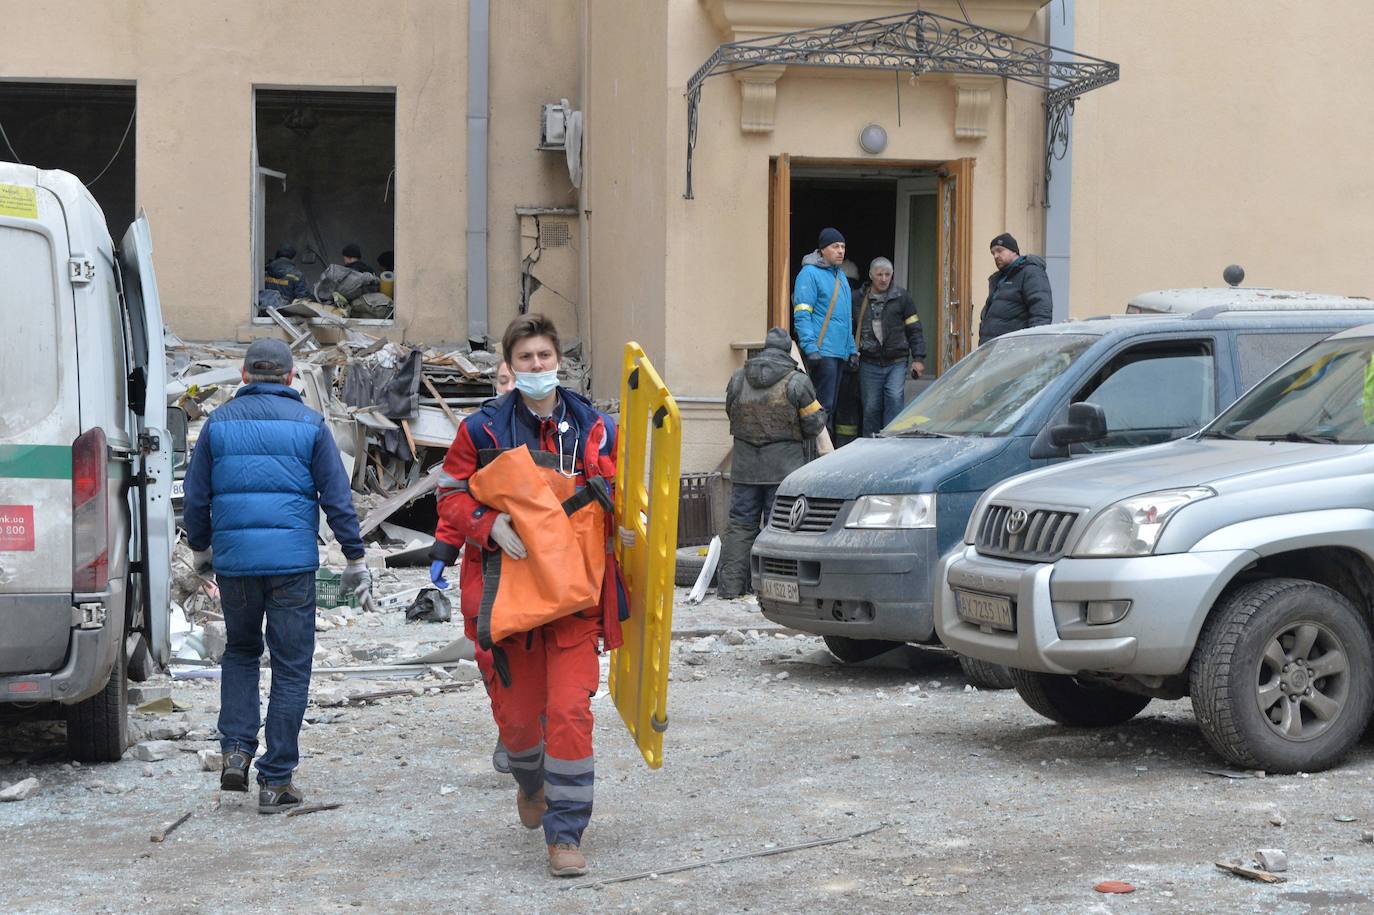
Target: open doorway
pixel 84 128
pixel 324 179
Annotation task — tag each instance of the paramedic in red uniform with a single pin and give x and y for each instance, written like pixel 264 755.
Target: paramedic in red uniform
pixel 553 669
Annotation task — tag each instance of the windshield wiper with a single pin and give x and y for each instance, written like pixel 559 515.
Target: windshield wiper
pixel 1310 437
pixel 1217 433
pixel 917 433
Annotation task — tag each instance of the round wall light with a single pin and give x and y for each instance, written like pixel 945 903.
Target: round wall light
pixel 873 139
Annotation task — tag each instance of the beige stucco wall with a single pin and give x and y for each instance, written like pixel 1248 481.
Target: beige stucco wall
pixel 534 60
pixel 1236 135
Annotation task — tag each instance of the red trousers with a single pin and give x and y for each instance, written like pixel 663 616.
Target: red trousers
pixel 554 673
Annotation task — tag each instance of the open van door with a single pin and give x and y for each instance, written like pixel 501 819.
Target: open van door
pixel 148 398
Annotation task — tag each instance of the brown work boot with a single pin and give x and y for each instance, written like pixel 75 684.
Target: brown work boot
pixel 565 860
pixel 531 809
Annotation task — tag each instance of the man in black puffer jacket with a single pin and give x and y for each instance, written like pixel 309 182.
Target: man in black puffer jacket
pixel 1018 293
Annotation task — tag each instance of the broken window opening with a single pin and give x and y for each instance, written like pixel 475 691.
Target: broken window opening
pixel 87 129
pixel 324 181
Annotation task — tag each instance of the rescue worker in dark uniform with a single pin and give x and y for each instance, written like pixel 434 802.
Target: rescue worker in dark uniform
pixel 541 681
pixel 284 276
pixel 774 415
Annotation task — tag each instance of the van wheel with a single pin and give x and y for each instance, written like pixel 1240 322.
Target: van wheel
pixel 1282 677
pixel 98 727
pixel 985 674
pixel 852 651
pixel 1070 701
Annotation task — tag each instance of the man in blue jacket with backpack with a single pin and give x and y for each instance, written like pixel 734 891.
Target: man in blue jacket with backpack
pixel 264 466
pixel 821 308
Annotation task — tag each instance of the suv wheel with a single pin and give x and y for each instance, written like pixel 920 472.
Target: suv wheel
pixel 1282 677
pixel 852 651
pixel 98 727
pixel 1070 701
pixel 985 674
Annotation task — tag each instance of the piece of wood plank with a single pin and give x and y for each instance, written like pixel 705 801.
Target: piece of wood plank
pixel 410 439
pixel 312 808
pixel 1250 873
pixel 443 404
pixel 162 834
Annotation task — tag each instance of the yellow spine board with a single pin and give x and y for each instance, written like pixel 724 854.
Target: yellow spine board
pixel 648 465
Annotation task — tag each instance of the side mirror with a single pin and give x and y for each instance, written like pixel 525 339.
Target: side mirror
pixel 176 427
pixel 1087 423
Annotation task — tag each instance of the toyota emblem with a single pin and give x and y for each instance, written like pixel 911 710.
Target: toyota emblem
pixel 1016 521
pixel 797 515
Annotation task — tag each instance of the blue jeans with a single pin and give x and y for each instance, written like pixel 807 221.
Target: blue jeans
pixel 881 388
pixel 825 377
pixel 750 504
pixel 288 603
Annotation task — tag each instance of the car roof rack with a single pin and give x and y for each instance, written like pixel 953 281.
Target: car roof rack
pixel 1213 311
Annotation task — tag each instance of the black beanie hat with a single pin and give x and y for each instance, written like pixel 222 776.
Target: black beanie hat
pixel 352 250
pixel 1006 241
pixel 829 236
pixel 286 250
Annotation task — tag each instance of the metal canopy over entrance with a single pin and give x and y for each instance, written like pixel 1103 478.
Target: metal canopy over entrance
pixel 918 43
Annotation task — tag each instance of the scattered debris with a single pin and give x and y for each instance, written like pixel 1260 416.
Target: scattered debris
pixel 164 705
pixel 764 853
pixel 1233 773
pixel 1367 836
pixel 313 808
pixel 1114 886
pixel 1249 873
pixel 1344 818
pixel 154 750
pixel 21 791
pixel 210 760
pixel 144 694
pixel 431 606
pixel 1274 860
pixel 162 834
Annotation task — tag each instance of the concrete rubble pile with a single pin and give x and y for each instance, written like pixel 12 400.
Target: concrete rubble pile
pixel 393 409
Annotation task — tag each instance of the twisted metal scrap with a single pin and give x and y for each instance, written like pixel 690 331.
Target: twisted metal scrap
pixel 918 43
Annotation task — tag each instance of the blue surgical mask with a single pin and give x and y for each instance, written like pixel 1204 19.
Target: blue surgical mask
pixel 536 385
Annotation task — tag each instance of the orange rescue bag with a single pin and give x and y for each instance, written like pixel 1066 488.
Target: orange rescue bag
pixel 564 531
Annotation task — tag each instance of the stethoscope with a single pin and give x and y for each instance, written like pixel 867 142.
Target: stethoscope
pixel 571 472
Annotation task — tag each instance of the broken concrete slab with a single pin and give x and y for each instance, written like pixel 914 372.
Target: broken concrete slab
pixel 21 791
pixel 210 760
pixel 154 750
pixel 142 694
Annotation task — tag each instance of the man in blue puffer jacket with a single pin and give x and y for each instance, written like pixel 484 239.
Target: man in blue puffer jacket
pixel 264 466
pixel 822 289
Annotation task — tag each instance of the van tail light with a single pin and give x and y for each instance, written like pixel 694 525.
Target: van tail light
pixel 90 508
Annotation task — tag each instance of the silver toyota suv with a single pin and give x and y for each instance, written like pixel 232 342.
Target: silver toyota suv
pixel 1235 566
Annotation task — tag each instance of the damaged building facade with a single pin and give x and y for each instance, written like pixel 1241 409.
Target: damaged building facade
pixel 436 129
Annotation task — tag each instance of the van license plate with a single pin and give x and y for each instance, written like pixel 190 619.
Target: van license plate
pixel 985 610
pixel 781 590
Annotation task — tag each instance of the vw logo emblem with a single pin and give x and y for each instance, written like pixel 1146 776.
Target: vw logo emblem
pixel 1016 521
pixel 797 514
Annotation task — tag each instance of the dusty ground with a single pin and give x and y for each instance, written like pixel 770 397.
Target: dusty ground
pixel 982 805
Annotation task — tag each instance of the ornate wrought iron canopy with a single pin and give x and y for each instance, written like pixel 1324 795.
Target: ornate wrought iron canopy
pixel 919 43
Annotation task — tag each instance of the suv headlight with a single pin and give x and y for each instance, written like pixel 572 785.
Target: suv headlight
pixel 893 512
pixel 1132 526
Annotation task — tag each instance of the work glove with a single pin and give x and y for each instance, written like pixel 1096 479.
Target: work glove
pixel 918 369
pixel 436 574
pixel 358 579
pixel 503 535
pixel 628 537
pixel 813 363
pixel 203 562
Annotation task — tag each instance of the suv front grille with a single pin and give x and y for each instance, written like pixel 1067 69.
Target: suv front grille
pixel 1042 537
pixel 820 514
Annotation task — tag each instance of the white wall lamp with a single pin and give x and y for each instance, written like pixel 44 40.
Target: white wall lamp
pixel 873 139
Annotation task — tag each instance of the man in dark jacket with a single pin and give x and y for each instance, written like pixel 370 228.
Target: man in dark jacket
pixel 888 331
pixel 263 467
pixel 773 414
pixel 353 258
pixel 284 276
pixel 1018 293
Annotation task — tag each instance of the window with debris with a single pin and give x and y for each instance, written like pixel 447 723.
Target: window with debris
pixel 324 186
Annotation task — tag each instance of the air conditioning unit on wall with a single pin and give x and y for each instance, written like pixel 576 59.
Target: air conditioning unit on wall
pixel 560 127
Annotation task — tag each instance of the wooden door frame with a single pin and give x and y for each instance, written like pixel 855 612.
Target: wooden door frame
pixel 780 235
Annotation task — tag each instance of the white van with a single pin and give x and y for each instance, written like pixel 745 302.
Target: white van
pixel 85 461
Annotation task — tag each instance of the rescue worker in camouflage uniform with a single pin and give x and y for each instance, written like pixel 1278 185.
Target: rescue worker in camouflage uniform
pixel 774 415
